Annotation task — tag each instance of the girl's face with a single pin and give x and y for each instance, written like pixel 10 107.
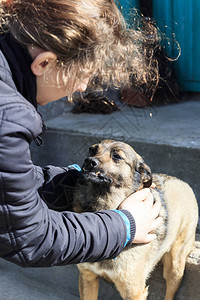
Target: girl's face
pixel 48 77
pixel 48 88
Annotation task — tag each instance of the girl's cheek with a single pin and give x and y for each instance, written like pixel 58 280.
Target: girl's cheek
pixel 83 85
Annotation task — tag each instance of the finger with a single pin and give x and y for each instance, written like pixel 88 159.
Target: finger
pixel 156 209
pixel 153 185
pixel 156 223
pixel 137 197
pixel 150 237
pixel 140 195
pixel 149 200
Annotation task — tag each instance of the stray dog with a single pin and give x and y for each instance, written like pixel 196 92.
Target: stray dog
pixel 111 173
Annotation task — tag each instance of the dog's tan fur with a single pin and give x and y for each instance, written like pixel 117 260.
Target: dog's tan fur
pixel 175 238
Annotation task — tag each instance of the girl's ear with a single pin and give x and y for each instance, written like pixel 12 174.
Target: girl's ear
pixel 41 62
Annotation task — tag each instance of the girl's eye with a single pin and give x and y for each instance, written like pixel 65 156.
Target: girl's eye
pixel 116 156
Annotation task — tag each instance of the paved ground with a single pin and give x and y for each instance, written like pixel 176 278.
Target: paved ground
pixel 57 283
pixel 45 284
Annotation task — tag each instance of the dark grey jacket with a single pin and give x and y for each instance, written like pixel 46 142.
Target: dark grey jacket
pixel 31 234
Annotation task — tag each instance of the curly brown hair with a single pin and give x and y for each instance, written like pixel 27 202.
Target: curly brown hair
pixel 90 34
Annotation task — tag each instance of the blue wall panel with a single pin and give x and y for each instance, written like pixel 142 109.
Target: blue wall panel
pixel 181 17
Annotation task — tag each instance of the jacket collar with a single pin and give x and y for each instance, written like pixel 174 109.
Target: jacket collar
pixel 19 61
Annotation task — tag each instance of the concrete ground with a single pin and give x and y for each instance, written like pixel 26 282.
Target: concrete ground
pixel 56 283
pixel 168 137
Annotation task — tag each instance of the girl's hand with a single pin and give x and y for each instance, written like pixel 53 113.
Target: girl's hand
pixel 145 213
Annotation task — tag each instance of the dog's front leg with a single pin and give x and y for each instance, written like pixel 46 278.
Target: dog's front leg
pixel 88 285
pixel 131 288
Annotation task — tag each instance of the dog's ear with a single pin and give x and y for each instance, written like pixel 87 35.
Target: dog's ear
pixel 145 174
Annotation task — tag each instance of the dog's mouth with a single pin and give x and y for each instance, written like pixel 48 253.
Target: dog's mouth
pixel 96 176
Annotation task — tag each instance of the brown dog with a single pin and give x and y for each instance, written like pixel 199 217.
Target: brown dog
pixel 111 173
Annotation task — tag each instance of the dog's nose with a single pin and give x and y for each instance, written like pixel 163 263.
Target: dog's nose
pixel 90 163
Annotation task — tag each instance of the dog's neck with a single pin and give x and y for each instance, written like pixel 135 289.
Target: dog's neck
pixel 93 197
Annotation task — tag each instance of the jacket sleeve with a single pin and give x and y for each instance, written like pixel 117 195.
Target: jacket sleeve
pixel 56 186
pixel 31 234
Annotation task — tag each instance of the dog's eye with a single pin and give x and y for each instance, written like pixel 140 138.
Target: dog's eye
pixel 93 150
pixel 116 156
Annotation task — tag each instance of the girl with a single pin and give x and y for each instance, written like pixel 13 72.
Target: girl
pixel 50 49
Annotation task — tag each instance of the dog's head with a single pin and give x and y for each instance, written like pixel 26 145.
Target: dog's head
pixel 113 163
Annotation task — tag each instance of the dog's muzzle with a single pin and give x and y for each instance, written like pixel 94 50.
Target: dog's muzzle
pixel 90 164
pixel 92 172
